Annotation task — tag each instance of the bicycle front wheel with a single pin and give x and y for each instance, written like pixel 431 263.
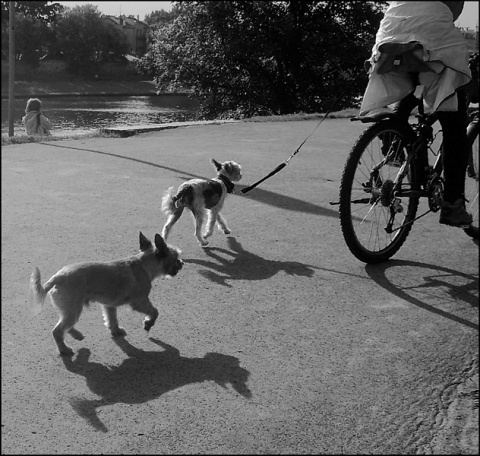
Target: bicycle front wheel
pixel 378 202
pixel 471 181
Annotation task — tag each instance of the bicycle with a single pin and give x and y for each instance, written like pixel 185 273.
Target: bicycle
pixel 380 187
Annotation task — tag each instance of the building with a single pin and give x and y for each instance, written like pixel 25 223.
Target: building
pixel 134 30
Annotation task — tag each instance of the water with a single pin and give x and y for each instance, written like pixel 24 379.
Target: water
pixel 72 115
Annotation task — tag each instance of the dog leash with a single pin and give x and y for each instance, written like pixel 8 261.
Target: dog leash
pixel 285 163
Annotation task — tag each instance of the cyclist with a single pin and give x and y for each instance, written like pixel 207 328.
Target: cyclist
pixel 418 51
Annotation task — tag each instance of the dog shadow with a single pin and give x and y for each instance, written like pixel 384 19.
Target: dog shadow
pixel 145 376
pixel 239 264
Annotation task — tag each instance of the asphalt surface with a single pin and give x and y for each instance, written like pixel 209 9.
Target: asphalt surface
pixel 273 340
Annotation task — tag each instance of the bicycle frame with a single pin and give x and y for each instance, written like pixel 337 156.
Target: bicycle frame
pixel 387 172
pixel 421 137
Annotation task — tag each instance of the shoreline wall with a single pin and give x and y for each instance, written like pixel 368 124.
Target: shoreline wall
pixel 56 69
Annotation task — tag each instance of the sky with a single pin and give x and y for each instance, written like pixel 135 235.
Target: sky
pixel 468 18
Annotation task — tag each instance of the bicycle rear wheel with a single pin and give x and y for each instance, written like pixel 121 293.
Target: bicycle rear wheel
pixel 471 181
pixel 376 214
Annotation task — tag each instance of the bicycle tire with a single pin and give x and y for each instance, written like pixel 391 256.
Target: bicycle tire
pixel 471 180
pixel 363 218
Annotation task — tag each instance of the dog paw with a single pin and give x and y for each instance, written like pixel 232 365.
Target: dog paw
pixel 203 243
pixel 227 231
pixel 118 332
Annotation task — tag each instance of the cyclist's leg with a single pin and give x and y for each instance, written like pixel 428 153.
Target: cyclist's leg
pixel 455 159
pixel 403 109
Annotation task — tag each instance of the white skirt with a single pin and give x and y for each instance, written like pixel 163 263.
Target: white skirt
pixel 443 50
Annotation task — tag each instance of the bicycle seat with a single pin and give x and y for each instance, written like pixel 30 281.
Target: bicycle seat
pixel 401 57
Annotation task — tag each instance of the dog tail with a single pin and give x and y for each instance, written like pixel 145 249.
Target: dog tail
pixel 184 196
pixel 37 292
pixel 168 204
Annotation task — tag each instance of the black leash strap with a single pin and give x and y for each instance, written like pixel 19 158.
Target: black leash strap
pixel 285 163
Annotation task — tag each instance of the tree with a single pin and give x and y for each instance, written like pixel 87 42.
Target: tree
pixel 159 18
pixel 39 10
pixel 31 39
pixel 34 29
pixel 86 40
pixel 258 57
pixel 156 20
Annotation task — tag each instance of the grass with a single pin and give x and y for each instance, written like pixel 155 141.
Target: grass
pixel 23 138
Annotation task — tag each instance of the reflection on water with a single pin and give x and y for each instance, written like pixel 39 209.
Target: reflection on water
pixel 77 114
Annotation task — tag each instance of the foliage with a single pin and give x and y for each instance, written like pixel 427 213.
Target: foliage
pixel 34 29
pixel 157 19
pixel 79 34
pixel 37 10
pixel 32 39
pixel 265 57
pixel 86 40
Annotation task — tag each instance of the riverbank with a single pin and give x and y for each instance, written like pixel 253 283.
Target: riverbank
pixel 136 129
pixel 62 87
pixel 45 89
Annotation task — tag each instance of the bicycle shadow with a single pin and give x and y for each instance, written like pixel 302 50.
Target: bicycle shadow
pixel 145 376
pixel 239 264
pixel 467 292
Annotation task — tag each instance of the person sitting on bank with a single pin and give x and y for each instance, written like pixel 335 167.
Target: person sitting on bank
pixel 36 124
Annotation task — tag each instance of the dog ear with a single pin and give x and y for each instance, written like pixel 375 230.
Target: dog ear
pixel 160 244
pixel 218 166
pixel 145 244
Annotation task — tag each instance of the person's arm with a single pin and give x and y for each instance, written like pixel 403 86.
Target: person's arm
pixel 456 8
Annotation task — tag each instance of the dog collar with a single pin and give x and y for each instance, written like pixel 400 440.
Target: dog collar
pixel 228 183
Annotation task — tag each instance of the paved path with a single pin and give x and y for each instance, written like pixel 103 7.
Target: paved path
pixel 272 340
